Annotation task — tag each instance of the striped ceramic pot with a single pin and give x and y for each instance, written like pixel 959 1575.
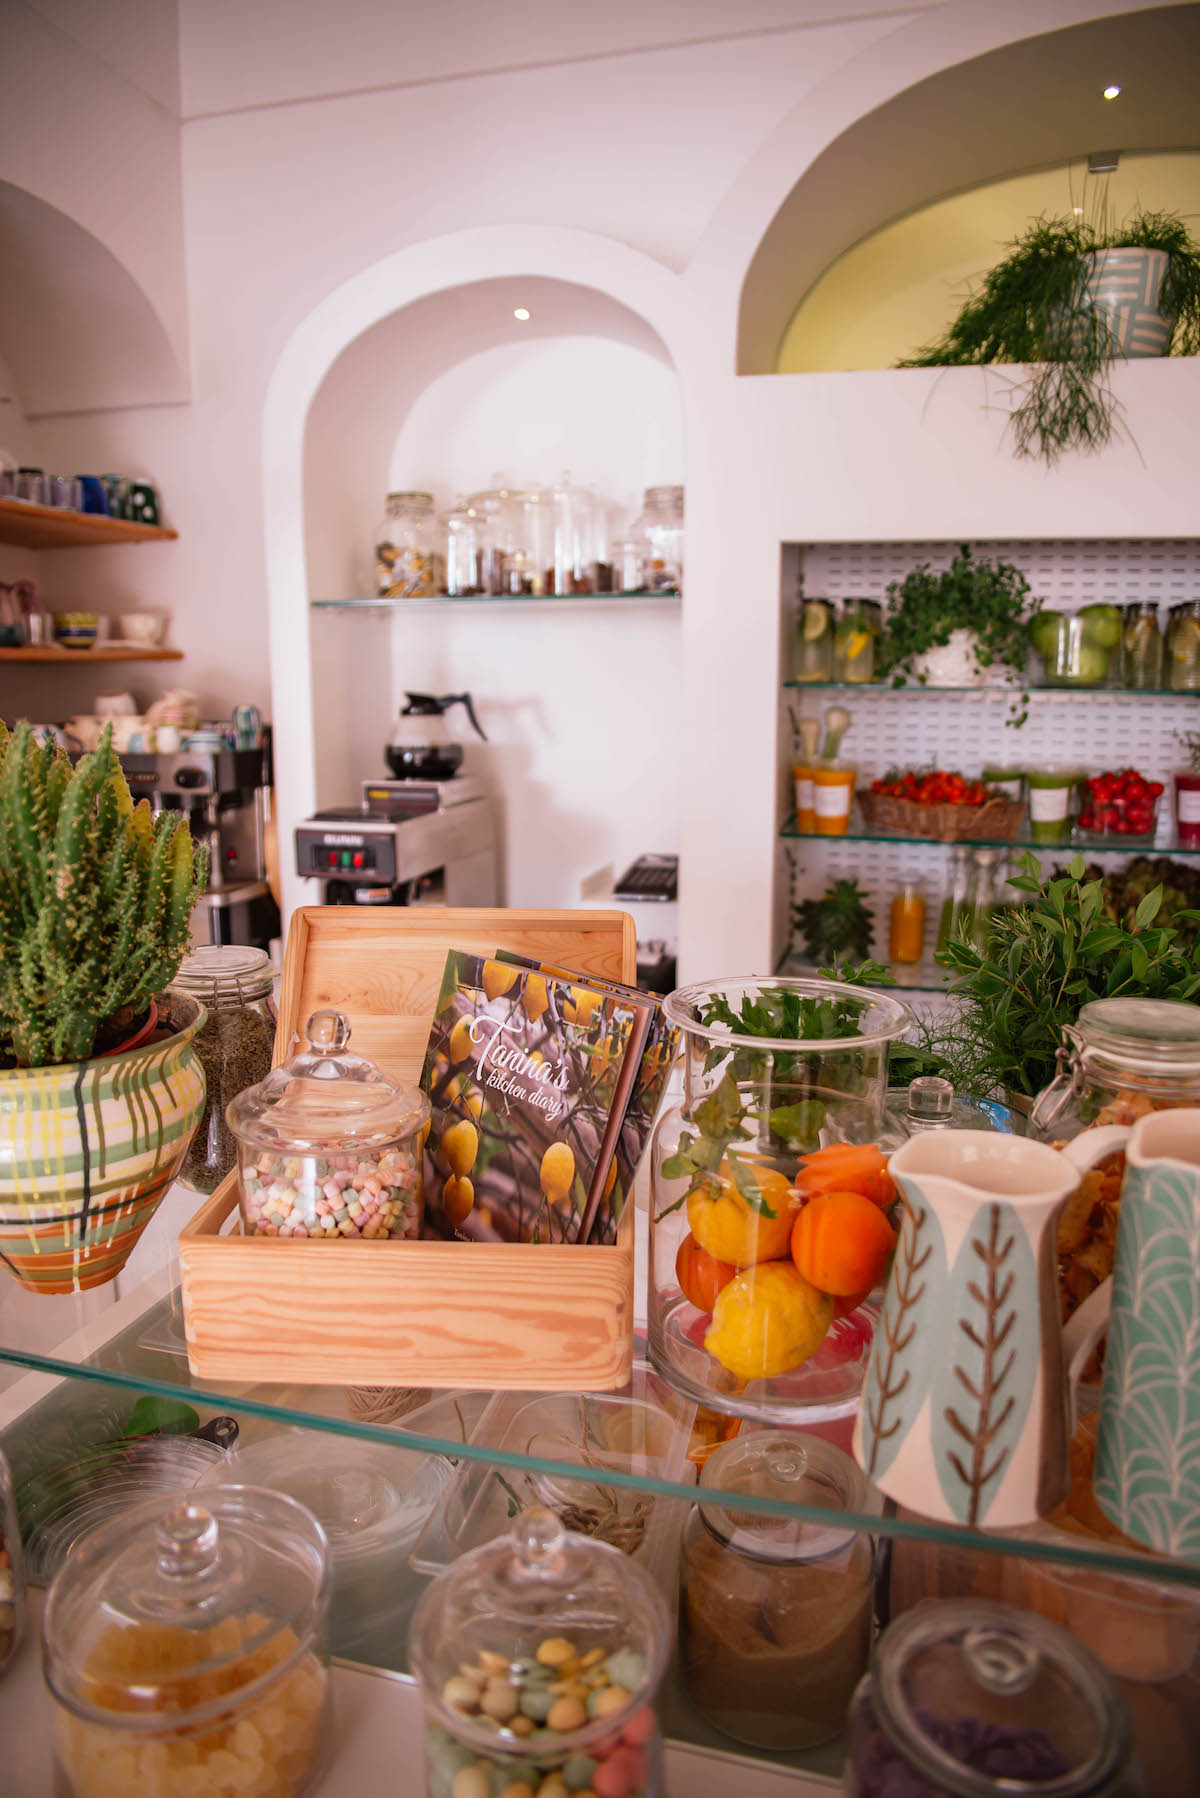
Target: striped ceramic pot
pixel 88 1149
pixel 1124 287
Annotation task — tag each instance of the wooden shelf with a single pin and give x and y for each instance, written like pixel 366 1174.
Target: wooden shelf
pixel 52 527
pixel 99 652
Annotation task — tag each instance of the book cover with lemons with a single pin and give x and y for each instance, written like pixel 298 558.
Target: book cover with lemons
pixel 529 1077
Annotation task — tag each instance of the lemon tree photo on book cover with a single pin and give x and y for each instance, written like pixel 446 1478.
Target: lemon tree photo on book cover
pixel 524 1072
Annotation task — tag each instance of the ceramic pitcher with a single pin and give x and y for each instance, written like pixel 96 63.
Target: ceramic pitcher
pixel 1147 1476
pixel 965 1414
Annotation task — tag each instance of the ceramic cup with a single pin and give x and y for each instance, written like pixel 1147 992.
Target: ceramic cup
pixel 964 1413
pixel 1147 1478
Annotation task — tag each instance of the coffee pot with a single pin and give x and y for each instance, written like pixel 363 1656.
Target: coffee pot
pixel 422 747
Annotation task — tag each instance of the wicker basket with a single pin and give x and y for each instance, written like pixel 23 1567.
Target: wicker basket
pixel 996 820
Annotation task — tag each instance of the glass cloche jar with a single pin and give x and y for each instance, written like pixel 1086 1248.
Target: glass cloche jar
pixel 969 1699
pixel 185 1649
pixel 329 1146
pixel 773 1069
pixel 539 1656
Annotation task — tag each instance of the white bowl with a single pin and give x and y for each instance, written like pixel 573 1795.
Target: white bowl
pixel 142 627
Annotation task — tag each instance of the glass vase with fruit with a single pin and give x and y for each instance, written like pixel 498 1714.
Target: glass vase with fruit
pixel 759 1302
pixel 814 641
pixel 1123 803
pixel 1076 648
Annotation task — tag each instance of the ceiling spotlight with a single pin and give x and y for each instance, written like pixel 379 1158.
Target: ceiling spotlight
pixel 1111 92
pixel 521 312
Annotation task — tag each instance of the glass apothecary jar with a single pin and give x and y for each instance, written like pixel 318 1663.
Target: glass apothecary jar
pixel 1141 648
pixel 732 1323
pixel 970 1699
pixel 814 641
pixel 1183 647
pixel 12 1572
pixel 573 521
pixel 1121 1059
pixel 406 558
pixel 185 1650
pixel 660 528
pixel 775 1613
pixel 461 535
pixel 854 644
pixel 539 1656
pixel 234 1045
pixel 329 1146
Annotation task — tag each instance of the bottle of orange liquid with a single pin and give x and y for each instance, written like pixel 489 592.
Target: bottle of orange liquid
pixel 906 937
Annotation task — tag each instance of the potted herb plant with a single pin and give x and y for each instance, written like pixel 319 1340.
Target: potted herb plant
pixel 1042 962
pixel 1069 299
pixel 100 1088
pixel 961 627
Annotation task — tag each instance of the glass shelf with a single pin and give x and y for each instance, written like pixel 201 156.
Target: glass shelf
pixel 1035 689
pixel 1082 845
pixel 924 976
pixel 559 601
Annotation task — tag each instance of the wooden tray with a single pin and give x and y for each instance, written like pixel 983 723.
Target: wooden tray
pixel 522 1316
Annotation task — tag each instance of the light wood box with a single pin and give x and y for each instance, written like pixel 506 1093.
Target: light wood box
pixel 538 1316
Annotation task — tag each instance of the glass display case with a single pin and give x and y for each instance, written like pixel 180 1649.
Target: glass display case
pixel 82 1376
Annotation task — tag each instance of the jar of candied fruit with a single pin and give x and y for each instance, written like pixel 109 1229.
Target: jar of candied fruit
pixel 967 1699
pixel 185 1650
pixel 539 1656
pixel 329 1145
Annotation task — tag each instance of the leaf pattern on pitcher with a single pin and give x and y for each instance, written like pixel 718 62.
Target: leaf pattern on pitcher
pixel 898 1375
pixel 1148 1457
pixel 985 1381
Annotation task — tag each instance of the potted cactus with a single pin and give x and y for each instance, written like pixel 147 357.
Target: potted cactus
pixel 100 1088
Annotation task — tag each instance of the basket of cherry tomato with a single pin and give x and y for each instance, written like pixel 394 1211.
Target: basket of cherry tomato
pixel 1123 804
pixel 941 804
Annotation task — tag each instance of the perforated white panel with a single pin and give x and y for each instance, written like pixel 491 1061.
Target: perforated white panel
pixel 914 727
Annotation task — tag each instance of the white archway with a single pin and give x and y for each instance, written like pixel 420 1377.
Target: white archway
pixel 419 272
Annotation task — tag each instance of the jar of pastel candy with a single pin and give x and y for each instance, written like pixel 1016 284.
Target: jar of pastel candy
pixel 185 1650
pixel 539 1656
pixel 329 1146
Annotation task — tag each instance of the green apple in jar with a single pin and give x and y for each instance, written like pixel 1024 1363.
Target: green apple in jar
pixel 1101 625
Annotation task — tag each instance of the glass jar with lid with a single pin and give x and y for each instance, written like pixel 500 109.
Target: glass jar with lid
pixel 814 640
pixel 971 1699
pixel 775 1612
pixel 234 1044
pixel 854 644
pixel 329 1146
pixel 1183 647
pixel 1141 647
pixel 574 535
pixel 406 548
pixel 499 513
pixel 12 1572
pixel 185 1649
pixel 660 526
pixel 1121 1059
pixel 461 529
pixel 539 1656
pixel 931 1103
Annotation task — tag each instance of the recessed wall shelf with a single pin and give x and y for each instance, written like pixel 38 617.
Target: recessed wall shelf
pixel 1032 688
pixel 53 527
pixel 559 601
pixel 99 652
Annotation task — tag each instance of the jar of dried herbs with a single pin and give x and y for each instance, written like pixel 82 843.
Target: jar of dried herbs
pixel 776 1611
pixel 234 1045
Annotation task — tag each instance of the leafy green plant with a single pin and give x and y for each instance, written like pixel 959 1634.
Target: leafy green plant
pixel 95 898
pixel 1043 962
pixel 1034 308
pixel 992 600
pixel 1191 742
pixel 839 923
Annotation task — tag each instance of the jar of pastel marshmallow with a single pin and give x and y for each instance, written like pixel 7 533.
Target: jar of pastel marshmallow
pixel 329 1145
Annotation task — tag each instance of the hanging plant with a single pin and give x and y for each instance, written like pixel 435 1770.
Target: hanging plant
pixel 1045 306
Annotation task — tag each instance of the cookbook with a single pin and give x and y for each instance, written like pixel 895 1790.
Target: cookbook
pixel 530 1076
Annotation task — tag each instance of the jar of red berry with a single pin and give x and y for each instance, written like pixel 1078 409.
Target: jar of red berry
pixel 1123 804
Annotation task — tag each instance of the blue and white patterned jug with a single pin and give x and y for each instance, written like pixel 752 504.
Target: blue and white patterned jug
pixel 965 1413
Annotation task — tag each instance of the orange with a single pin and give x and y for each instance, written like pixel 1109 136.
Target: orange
pixel 701 1276
pixel 841 1242
pixel 729 1229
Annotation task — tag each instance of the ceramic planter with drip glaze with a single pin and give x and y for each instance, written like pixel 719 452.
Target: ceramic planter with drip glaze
pixel 88 1149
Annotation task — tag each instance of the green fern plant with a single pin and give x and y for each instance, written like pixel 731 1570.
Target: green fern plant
pixel 95 898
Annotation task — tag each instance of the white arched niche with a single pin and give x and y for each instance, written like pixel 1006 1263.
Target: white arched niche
pixel 417 374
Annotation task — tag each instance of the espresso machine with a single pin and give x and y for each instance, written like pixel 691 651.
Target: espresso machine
pixel 224 794
pixel 426 837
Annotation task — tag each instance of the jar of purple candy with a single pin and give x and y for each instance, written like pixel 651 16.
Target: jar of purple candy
pixel 972 1700
pixel 329 1145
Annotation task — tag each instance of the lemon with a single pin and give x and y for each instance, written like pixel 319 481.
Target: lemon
pixel 460 1146
pixel 536 997
pixel 854 643
pixel 557 1171
pixel 725 1226
pixel 768 1320
pixel 458 1197
pixel 499 978
pixel 816 621
pixel 460 1044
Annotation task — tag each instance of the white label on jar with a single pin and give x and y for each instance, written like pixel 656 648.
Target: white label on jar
pixel 831 802
pixel 804 794
pixel 1048 804
pixel 1189 804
